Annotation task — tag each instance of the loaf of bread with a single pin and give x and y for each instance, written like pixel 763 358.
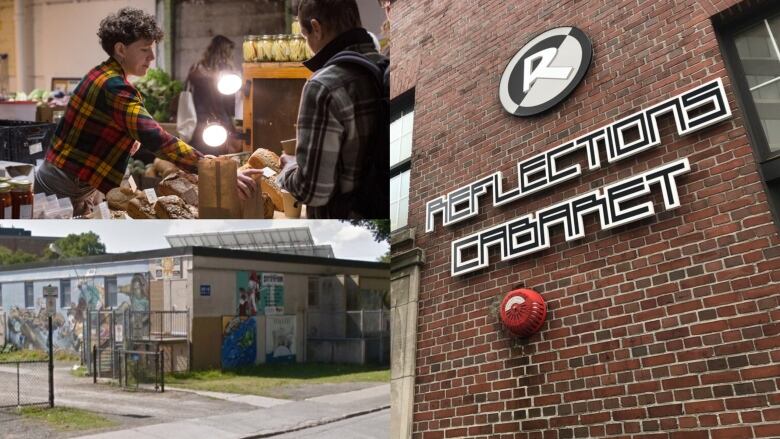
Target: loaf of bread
pixel 119 197
pixel 140 208
pixel 172 207
pixel 178 184
pixel 263 158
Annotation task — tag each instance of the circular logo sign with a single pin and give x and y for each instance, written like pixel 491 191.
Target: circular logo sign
pixel 545 71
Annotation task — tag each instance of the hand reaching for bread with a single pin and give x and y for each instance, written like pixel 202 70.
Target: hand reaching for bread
pixel 246 184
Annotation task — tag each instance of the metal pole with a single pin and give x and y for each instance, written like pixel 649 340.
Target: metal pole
pixel 51 366
pixel 94 364
pixel 18 393
pixel 162 372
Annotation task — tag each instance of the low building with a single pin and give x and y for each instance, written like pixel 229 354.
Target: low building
pixel 240 307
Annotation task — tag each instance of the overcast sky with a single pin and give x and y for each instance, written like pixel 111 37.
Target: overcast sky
pixel 348 242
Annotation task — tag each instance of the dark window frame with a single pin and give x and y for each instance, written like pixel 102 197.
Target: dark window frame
pixel 65 304
pixel 398 106
pixel 316 281
pixel 28 285
pixel 111 296
pixel 727 25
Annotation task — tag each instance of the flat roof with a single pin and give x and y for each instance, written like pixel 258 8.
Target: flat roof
pixel 200 251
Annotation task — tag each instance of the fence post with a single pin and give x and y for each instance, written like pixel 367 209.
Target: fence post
pixel 381 336
pixel 18 393
pixel 94 364
pixel 162 372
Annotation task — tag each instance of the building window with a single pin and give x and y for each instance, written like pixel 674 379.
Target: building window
pixel 401 131
pixel 751 47
pixel 29 295
pixel 314 291
pixel 111 291
pixel 65 293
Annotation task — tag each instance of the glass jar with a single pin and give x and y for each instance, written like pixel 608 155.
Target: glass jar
pixel 281 48
pixel 249 48
pixel 21 199
pixel 297 48
pixel 5 201
pixel 295 26
pixel 266 44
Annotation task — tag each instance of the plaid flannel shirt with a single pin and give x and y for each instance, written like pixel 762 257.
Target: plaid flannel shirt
pixel 104 118
pixel 337 115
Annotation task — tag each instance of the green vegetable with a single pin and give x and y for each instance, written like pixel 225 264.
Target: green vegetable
pixel 158 90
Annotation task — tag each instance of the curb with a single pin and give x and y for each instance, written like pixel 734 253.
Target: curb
pixel 318 423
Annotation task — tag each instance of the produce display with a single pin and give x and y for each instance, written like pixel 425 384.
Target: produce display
pixel 275 48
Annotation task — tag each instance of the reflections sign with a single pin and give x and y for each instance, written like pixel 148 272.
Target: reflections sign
pixel 692 111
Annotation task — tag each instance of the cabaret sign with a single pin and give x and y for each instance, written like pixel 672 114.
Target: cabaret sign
pixel 692 111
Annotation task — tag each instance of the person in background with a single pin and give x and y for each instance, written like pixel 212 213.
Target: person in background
pixel 106 122
pixel 338 114
pixel 210 104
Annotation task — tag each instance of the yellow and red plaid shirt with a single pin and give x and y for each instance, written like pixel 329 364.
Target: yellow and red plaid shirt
pixel 104 118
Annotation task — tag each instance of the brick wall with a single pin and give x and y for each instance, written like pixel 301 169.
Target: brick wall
pixel 664 328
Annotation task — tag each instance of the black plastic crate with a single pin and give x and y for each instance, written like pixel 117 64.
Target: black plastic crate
pixel 27 141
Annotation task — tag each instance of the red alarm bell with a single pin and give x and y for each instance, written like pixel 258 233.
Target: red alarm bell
pixel 523 312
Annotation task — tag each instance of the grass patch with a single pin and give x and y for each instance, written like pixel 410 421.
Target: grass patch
pixel 79 372
pixel 66 418
pixel 271 379
pixel 33 355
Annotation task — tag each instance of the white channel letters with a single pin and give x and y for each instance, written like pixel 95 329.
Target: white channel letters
pixel 693 110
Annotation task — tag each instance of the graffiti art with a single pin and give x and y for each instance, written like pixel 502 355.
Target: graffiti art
pixel 239 342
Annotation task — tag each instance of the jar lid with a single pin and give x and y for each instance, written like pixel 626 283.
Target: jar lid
pixel 5 179
pixel 21 184
pixel 5 187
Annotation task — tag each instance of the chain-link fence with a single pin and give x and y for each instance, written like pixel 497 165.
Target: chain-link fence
pixel 24 383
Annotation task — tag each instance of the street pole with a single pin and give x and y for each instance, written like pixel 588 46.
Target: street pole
pixel 51 367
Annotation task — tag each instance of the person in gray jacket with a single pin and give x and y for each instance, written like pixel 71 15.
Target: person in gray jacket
pixel 338 114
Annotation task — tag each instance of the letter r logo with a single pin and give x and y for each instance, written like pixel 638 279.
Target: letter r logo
pixel 543 69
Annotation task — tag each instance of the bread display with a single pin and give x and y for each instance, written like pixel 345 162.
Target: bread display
pixel 140 208
pixel 172 207
pixel 263 158
pixel 181 185
pixel 118 198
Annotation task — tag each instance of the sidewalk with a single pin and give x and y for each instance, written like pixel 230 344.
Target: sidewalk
pixel 276 417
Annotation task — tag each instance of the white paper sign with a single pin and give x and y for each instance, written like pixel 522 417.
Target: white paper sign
pixel 151 195
pixel 36 148
pixel 268 172
pixel 7 212
pixel 133 186
pixel 103 210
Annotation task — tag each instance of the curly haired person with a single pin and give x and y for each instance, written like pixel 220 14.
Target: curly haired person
pixel 106 122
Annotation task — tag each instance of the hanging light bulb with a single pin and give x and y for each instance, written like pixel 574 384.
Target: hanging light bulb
pixel 229 83
pixel 214 135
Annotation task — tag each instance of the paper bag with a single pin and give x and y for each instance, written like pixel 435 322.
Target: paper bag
pixel 218 189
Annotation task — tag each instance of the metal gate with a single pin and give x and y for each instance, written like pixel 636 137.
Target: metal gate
pixel 24 383
pixel 103 338
pixel 142 369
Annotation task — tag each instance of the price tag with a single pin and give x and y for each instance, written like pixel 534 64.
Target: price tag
pixel 133 186
pixel 105 213
pixel 268 172
pixel 151 195
pixel 36 148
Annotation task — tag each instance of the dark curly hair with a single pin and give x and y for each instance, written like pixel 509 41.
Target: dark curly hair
pixel 127 26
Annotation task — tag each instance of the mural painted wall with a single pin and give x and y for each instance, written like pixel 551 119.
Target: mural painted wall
pixel 259 293
pixel 27 316
pixel 239 341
